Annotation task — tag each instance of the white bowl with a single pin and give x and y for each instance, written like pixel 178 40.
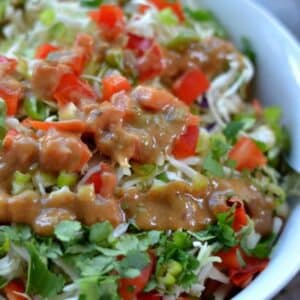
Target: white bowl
pixel 278 82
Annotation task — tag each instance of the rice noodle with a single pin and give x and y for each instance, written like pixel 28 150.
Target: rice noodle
pixel 182 167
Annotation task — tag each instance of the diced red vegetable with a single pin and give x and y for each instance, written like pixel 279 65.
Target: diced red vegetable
pixel 11 97
pixel 130 287
pixel 247 154
pixel 150 65
pixel 9 139
pixel 175 6
pixel 104 181
pixel 243 276
pixel 138 44
pixel 86 42
pixel 7 65
pixel 185 145
pixel 229 258
pixel 114 84
pixel 72 89
pixel 76 126
pixel 13 290
pixel 240 216
pixel 44 50
pixel 110 19
pixel 191 85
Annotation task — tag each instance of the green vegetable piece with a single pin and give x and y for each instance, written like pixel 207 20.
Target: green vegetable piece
pixel 4 243
pixel 167 17
pixel 90 3
pixel 213 166
pixel 89 288
pixel 48 16
pixel 3 7
pixel 248 50
pixel 163 177
pixel 109 289
pixel 35 109
pixel 40 281
pixel 144 170
pixel 167 280
pixel 183 40
pixel 182 240
pixel 233 128
pixel 133 263
pixel 272 115
pixel 200 182
pixel 17 233
pixel 174 268
pixel 264 247
pixel 100 233
pixel 66 179
pixel 67 231
pixel 114 58
pixel 21 182
pixel 3 110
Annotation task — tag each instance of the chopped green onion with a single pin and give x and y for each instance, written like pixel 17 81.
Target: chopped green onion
pixel 183 40
pixel 167 280
pixel 174 267
pixel 66 179
pixel 114 58
pixel 4 243
pixel 163 177
pixel 21 182
pixel 144 170
pixel 90 3
pixel 213 166
pixel 3 109
pixel 48 17
pixel 200 182
pixel 35 109
pixel 167 17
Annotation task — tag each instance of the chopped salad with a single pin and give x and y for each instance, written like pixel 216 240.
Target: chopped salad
pixel 134 162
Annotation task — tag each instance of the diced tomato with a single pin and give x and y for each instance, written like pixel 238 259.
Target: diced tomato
pixel 7 65
pixel 138 44
pixel 104 181
pixel 110 19
pixel 76 126
pixel 185 145
pixel 229 258
pixel 9 138
pixel 72 89
pixel 86 42
pixel 175 6
pixel 13 290
pixel 130 287
pixel 149 296
pixel 191 85
pixel 242 277
pixel 151 63
pixel 11 97
pixel 240 216
pixel 114 84
pixel 44 50
pixel 247 154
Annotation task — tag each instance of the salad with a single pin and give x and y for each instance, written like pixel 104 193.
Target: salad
pixel 134 162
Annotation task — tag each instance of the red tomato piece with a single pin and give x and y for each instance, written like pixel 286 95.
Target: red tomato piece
pixel 7 65
pixel 240 216
pixel 138 44
pixel 151 63
pixel 191 85
pixel 149 296
pixel 185 145
pixel 175 6
pixel 11 98
pixel 110 19
pixel 130 287
pixel 114 84
pixel 86 42
pixel 104 181
pixel 242 277
pixel 72 89
pixel 247 154
pixel 44 50
pixel 229 259
pixel 9 139
pixel 12 290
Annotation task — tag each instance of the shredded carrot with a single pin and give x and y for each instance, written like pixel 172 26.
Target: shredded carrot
pixel 71 125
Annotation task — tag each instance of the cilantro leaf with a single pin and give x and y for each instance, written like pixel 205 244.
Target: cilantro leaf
pixel 89 288
pixel 17 233
pixel 263 248
pixel 213 166
pixel 40 281
pixel 109 289
pixel 67 231
pixel 133 263
pixel 100 232
pixel 233 128
pixel 126 243
pixel 91 3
